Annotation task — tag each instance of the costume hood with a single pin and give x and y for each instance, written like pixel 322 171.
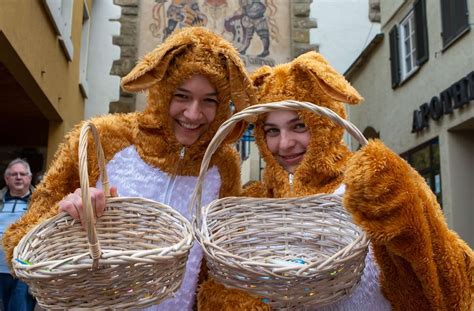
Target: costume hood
pixel 187 52
pixel 308 78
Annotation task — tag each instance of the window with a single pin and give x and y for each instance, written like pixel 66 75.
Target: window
pixel 84 50
pixel 455 20
pixel 244 145
pixel 60 12
pixel 409 44
pixel 425 159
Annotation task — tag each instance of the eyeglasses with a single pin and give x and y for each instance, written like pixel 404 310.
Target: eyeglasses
pixel 22 174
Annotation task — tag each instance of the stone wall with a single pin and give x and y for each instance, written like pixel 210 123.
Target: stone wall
pixel 300 26
pixel 374 11
pixel 127 41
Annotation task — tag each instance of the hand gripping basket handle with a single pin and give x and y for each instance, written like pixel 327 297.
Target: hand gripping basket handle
pixel 250 113
pixel 94 247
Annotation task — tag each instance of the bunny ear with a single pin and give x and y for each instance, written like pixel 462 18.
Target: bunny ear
pixel 241 88
pixel 151 69
pixel 327 78
pixel 259 75
pixel 241 92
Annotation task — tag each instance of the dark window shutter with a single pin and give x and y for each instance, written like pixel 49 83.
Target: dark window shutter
pixel 460 16
pixel 446 20
pixel 454 18
pixel 394 56
pixel 421 31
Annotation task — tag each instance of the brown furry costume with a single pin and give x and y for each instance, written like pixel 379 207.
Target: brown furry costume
pixel 423 265
pixel 188 52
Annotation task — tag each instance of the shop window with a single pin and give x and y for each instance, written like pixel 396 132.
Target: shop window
pixel 60 12
pixel 409 44
pixel 454 19
pixel 425 159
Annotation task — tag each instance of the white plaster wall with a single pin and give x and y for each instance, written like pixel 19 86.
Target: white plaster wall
pixel 343 30
pixel 250 168
pixel 459 147
pixel 388 9
pixel 103 88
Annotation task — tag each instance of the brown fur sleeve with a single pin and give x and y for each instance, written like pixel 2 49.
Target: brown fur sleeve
pixel 424 265
pixel 62 176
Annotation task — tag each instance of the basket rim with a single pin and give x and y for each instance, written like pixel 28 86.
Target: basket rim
pixel 184 244
pixel 362 241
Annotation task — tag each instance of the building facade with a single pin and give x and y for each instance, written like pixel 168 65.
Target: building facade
pixel 41 85
pixel 417 78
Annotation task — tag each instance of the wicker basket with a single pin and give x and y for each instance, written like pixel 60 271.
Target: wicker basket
pixel 293 252
pixel 134 256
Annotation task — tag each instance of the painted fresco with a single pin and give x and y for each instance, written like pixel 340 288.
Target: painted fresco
pixel 249 24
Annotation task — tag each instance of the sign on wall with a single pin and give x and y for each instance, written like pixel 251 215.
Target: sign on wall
pixel 456 96
pixel 251 25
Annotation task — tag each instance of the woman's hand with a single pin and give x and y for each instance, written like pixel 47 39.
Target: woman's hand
pixel 72 203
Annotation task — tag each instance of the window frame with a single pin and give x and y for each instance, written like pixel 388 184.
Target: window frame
pixel 432 170
pixel 417 20
pixel 449 19
pixel 409 20
pixel 60 13
pixel 84 55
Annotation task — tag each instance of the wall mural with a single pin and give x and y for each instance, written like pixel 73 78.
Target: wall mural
pixel 249 24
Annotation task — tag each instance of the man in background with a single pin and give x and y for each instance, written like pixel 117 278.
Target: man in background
pixel 14 199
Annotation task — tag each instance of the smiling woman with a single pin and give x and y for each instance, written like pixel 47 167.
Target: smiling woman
pixel 192 109
pixel 287 138
pixel 190 80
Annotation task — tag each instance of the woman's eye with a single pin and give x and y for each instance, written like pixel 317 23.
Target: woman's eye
pixel 272 132
pixel 211 100
pixel 180 96
pixel 300 127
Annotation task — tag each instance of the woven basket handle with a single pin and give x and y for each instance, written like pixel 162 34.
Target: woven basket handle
pixel 94 247
pixel 251 113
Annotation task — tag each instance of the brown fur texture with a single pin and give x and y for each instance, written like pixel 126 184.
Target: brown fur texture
pixel 218 297
pixel 424 265
pixel 186 53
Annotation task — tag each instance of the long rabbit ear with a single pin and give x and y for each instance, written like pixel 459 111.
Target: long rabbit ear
pixel 241 88
pixel 327 78
pixel 241 92
pixel 151 69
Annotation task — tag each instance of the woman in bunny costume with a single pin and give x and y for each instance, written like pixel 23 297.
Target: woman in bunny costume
pixel 191 79
pixel 415 261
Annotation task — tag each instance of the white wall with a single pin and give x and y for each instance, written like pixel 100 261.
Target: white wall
pixel 103 88
pixel 343 30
